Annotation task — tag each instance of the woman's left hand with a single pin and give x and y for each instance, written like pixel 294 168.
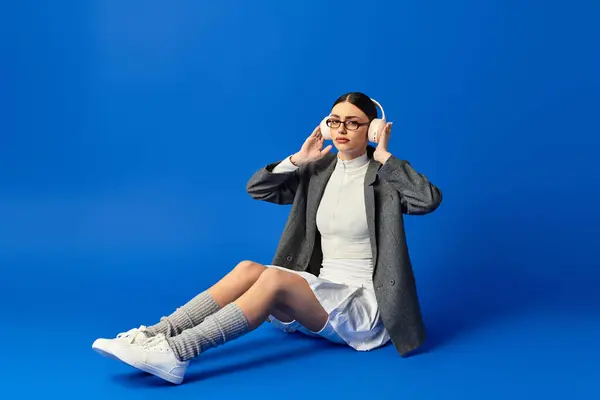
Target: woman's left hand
pixel 382 153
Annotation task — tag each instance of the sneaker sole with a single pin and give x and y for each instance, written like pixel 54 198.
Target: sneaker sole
pixel 125 355
pixel 157 372
pixel 103 351
pixel 105 354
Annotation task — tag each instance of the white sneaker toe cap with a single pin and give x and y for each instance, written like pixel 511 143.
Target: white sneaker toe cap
pixel 103 347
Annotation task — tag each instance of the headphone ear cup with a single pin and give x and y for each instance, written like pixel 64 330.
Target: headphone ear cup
pixel 325 130
pixel 374 127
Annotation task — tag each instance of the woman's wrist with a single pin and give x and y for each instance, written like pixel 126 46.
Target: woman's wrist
pixel 294 160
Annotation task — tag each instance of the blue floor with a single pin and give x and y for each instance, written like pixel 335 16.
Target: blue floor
pixel 540 343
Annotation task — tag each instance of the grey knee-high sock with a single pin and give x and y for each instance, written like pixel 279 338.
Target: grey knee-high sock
pixel 185 317
pixel 227 324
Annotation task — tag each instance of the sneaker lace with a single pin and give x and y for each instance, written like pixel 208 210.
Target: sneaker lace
pixel 131 334
pixel 154 340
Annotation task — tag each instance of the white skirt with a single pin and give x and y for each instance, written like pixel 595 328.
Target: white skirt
pixel 354 318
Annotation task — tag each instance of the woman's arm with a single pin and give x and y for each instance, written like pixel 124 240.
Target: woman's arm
pixel 275 183
pixel 418 195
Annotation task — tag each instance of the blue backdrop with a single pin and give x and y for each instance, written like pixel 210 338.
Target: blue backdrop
pixel 129 129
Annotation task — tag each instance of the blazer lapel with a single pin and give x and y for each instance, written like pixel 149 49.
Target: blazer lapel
pixel 370 178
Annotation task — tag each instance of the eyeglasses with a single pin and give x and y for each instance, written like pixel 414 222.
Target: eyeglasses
pixel 350 125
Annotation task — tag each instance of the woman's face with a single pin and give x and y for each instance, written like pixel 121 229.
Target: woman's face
pixel 352 139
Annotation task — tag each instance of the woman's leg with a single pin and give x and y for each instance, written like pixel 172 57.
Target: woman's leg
pixel 284 294
pixel 228 289
pixel 275 292
pixel 236 282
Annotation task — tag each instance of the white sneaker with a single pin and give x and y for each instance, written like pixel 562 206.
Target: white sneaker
pixel 154 356
pixel 132 337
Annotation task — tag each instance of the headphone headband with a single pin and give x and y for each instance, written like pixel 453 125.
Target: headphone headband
pixel 380 107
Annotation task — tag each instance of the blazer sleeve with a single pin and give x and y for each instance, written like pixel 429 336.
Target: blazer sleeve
pixel 418 195
pixel 275 183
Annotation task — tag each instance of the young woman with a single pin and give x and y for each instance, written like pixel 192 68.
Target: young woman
pixel 342 269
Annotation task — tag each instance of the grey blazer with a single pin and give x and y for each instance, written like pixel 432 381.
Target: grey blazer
pixel 391 190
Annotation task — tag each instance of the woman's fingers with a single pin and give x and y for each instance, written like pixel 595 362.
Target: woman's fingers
pixel 316 132
pixel 326 150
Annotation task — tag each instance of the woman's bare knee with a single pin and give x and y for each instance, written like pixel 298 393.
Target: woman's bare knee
pixel 273 280
pixel 249 268
pixel 236 282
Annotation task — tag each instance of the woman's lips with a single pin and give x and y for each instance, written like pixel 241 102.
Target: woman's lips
pixel 342 140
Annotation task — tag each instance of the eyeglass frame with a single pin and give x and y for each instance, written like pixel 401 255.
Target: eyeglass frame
pixel 328 121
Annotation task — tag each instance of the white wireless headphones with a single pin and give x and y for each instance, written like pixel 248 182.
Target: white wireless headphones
pixel 374 127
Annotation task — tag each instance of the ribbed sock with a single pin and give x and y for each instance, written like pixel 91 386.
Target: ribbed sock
pixel 185 317
pixel 225 325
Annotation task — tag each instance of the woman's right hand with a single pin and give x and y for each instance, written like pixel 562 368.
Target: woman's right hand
pixel 312 149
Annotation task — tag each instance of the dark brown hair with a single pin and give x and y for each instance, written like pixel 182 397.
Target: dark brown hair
pixel 360 100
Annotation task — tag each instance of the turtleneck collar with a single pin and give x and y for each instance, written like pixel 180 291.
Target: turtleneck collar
pixel 354 164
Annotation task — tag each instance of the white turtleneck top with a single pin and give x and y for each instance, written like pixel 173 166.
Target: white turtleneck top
pixel 342 223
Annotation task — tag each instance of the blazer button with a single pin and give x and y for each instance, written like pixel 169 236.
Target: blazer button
pixel 289 258
pixel 392 282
